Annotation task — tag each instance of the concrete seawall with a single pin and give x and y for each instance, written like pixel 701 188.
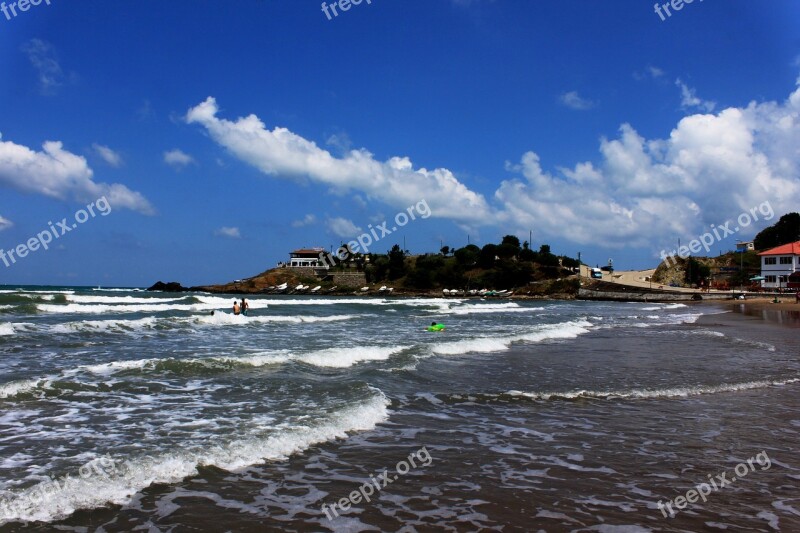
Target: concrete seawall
pixel 604 290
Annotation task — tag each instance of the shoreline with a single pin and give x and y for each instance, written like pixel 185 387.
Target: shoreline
pixel 784 313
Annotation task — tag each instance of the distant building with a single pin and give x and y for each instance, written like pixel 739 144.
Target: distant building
pixel 745 246
pixel 779 263
pixel 307 258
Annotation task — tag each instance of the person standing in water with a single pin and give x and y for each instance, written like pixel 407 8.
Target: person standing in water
pixel 235 307
pixel 245 307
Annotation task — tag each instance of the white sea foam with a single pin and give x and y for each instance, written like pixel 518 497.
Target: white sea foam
pixel 564 330
pixel 229 319
pixel 8 390
pixel 663 307
pixel 648 394
pixel 6 329
pixel 96 309
pixel 104 325
pixel 107 369
pixel 346 357
pixel 470 309
pixel 83 299
pixel 118 482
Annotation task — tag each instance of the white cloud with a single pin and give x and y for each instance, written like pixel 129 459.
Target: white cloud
pixel 231 233
pixel 108 155
pixel 5 223
pixel 574 101
pixel 305 221
pixel 649 72
pixel 647 193
pixel 690 100
pixel 639 192
pixel 58 173
pixel 396 182
pixel 342 227
pixel 178 159
pixel 42 56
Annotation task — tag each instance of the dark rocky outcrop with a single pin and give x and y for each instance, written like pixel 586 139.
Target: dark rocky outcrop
pixel 172 286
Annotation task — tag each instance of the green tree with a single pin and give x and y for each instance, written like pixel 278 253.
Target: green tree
pixel 695 271
pixel 445 250
pixel 528 255
pixel 487 255
pixel 512 240
pixel 378 268
pixel 785 231
pixel 468 255
pixel 545 257
pixel 507 251
pixel 397 263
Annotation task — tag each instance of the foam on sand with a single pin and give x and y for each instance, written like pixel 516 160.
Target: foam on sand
pixel 121 478
pixel 649 394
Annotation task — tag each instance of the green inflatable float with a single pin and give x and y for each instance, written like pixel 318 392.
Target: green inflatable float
pixel 436 327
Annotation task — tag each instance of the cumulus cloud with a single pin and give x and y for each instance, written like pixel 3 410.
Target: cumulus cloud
pixel 690 100
pixel 342 227
pixel 178 159
pixel 639 192
pixel 396 182
pixel 648 192
pixel 58 173
pixel 307 220
pixel 231 233
pixel 107 154
pixel 5 223
pixel 575 101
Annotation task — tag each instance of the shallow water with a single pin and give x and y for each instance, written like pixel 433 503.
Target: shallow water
pixel 147 412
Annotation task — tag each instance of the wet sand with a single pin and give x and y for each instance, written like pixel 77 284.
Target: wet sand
pixel 785 313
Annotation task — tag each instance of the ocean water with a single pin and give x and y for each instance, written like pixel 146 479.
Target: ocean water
pixel 124 410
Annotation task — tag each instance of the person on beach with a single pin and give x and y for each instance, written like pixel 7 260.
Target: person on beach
pixel 245 307
pixel 797 297
pixel 235 307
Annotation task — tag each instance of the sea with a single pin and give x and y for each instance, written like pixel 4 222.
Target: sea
pixel 129 410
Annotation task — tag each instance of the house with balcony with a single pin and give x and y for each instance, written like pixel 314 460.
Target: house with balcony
pixel 307 258
pixel 778 264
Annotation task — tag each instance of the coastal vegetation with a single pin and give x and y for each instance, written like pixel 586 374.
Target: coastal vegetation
pixel 507 265
pixel 784 231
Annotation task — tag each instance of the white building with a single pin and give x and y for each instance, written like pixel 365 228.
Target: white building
pixel 779 263
pixel 307 257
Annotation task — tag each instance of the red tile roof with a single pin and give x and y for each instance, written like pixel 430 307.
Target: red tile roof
pixel 793 248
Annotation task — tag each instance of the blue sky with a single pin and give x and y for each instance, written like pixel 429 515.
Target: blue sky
pixel 226 134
